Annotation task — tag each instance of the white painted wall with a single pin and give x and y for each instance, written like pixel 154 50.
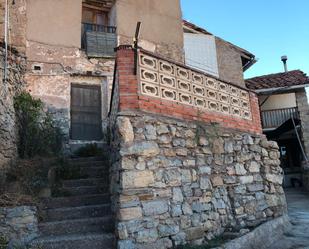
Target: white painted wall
pixel 201 52
pixel 278 101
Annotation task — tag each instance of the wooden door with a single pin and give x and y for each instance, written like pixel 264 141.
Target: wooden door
pixel 86 120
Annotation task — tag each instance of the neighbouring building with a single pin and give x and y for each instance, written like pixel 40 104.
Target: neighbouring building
pixel 188 157
pixel 285 115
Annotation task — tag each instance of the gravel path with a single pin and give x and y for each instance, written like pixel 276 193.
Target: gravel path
pixel 297 236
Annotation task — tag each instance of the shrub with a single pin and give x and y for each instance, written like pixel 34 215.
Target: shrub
pixel 38 135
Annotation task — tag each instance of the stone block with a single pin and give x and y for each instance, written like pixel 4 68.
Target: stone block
pixel 205 183
pixel 217 181
pixel 218 146
pixel 162 129
pixel 125 129
pixel 274 178
pixel 245 179
pixel 125 244
pixel 240 169
pixel 177 195
pixel 168 230
pixel 157 207
pixel 146 149
pixel 195 233
pixel 137 179
pixel 204 170
pixel 130 213
pixel 254 167
pixel 172 177
pixel 147 236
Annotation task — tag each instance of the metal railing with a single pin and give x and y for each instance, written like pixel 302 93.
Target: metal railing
pixel 275 118
pixel 99 40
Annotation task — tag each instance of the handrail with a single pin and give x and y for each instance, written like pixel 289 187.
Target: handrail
pixel 276 117
pixel 98 28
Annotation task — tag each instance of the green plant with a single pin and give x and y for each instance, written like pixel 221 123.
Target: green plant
pixel 38 134
pixel 89 150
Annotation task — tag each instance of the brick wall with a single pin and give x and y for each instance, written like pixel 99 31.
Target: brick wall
pixel 131 99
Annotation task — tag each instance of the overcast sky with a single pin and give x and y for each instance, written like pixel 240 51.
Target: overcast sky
pixel 266 28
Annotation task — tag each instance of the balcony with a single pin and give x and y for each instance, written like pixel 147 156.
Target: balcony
pixel 275 118
pixel 98 40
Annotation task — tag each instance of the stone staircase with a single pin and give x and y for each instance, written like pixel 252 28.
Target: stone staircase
pixel 80 217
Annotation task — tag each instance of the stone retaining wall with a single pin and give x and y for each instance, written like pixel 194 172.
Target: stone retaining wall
pixel 19 225
pixel 176 182
pixel 8 90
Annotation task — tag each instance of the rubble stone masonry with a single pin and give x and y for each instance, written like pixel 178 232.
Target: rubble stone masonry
pixel 14 84
pixel 178 179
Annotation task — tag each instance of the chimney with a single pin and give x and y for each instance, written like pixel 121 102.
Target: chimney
pixel 284 59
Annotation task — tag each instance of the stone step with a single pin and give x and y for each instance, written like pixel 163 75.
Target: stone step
pixel 76 241
pixel 89 164
pixel 87 159
pixel 77 226
pixel 94 172
pixel 86 182
pixel 86 190
pixel 75 201
pixel 59 214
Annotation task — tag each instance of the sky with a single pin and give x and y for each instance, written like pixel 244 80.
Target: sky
pixel 266 28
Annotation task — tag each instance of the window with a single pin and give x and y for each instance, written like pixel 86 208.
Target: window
pixel 201 53
pixel 94 16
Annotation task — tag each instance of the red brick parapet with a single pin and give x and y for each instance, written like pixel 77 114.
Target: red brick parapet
pixel 131 98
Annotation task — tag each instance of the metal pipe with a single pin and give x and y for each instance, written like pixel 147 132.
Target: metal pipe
pixel 284 59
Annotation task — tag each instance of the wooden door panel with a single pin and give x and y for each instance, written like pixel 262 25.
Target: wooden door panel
pixel 86 121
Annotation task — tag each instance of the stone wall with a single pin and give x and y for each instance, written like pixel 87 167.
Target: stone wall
pixel 303 108
pixel 14 84
pixel 175 182
pixel 19 225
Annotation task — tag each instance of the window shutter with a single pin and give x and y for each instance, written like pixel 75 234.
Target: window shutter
pixel 201 53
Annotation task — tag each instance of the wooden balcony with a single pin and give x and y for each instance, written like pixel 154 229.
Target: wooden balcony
pixel 275 118
pixel 99 40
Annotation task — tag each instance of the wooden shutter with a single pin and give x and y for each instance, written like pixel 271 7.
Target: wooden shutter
pixel 86 120
pixel 201 52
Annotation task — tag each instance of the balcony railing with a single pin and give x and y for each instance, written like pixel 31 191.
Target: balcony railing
pixel 275 118
pixel 99 40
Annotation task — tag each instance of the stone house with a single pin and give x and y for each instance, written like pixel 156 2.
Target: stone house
pixel 282 97
pixel 188 157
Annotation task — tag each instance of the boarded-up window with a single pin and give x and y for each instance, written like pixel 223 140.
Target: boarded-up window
pixel 201 53
pixel 86 120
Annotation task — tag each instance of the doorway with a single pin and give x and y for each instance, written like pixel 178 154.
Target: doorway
pixel 86 112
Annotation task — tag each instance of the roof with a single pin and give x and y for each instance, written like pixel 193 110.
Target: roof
pixel 286 79
pixel 194 27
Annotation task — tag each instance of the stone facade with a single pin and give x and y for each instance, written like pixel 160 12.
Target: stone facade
pixel 19 225
pixel 14 84
pixel 175 182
